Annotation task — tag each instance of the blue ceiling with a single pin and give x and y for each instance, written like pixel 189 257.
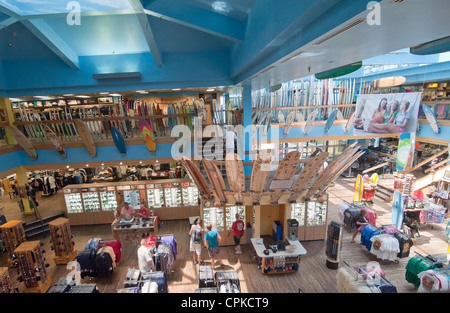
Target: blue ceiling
pixel 190 43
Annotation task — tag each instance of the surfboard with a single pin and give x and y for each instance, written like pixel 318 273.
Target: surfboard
pixel 86 137
pixel 340 71
pixel 388 82
pixel 350 122
pixel 289 120
pixel 397 210
pixel 147 135
pixel 118 140
pixel 404 149
pixel 197 177
pixel 309 122
pixel 431 118
pixel 260 174
pixel 235 176
pixel 330 121
pixel 55 141
pixel 216 179
pixel 307 175
pixel 267 124
pixel 359 186
pixel 23 141
pixel 282 178
pixel 374 179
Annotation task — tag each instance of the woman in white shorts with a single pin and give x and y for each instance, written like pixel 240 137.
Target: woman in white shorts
pixel 196 234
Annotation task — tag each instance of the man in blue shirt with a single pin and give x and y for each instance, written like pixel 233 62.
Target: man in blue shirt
pixel 212 240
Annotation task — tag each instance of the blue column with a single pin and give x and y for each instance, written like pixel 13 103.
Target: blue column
pixel 247 120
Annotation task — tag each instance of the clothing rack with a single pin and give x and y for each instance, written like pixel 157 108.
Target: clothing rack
pixel 382 278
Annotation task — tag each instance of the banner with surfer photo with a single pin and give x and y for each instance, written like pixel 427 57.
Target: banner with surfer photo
pixel 393 113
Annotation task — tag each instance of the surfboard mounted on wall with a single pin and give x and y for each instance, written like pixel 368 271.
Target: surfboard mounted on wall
pixel 388 82
pixel 118 140
pixel 55 141
pixel 147 135
pixel 340 71
pixel 23 141
pixel 86 137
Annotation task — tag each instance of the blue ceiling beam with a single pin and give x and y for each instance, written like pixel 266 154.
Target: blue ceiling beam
pixel 7 22
pixel 53 41
pixel 147 30
pixel 295 24
pixel 210 22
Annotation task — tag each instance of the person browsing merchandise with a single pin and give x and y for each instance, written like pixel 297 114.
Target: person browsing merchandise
pixel 212 241
pixel 195 234
pixel 360 222
pixel 127 211
pixel 145 258
pixel 238 228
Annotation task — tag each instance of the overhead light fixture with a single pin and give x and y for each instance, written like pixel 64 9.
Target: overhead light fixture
pixel 103 93
pixel 210 89
pixel 87 165
pixel 68 95
pixel 115 95
pixel 140 162
pixel 122 75
pixel 67 166
pixel 176 89
pixel 82 96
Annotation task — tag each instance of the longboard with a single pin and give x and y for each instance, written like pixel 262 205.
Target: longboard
pixel 23 141
pixel 289 120
pixel 431 118
pixel 236 176
pixel 147 135
pixel 55 141
pixel 374 179
pixel 350 122
pixel 307 175
pixel 397 209
pixel 86 136
pixel 309 122
pixel 197 177
pixel 359 186
pixel 283 174
pixel 118 140
pixel 330 121
pixel 260 174
pixel 330 170
pixel 267 124
pixel 299 117
pixel 216 179
pixel 403 151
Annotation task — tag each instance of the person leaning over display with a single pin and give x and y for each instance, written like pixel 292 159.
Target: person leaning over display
pixel 127 212
pixel 212 240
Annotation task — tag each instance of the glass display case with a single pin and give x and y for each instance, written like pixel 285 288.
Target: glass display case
pixel 172 195
pixel 230 215
pixel 298 212
pixel 155 196
pixel 91 201
pixel 73 201
pixel 213 215
pixel 317 213
pixel 190 194
pixel 108 198
pixel 133 197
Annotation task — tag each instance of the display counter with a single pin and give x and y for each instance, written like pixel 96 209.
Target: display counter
pixel 312 218
pixel 133 230
pixel 279 262
pixel 170 199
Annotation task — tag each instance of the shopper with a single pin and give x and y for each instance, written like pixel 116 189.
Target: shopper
pixel 127 212
pixel 360 220
pixel 143 211
pixel 145 258
pixel 196 234
pixel 212 241
pixel 238 228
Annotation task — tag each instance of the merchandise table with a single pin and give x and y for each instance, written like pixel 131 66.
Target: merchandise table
pixel 278 262
pixel 134 228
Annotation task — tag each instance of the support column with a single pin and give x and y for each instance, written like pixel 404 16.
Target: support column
pixel 247 121
pixel 22 179
pixel 5 105
pixel 257 225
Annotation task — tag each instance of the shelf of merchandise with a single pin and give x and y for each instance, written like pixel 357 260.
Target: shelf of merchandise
pixel 97 203
pixel 312 218
pixel 13 235
pixel 222 217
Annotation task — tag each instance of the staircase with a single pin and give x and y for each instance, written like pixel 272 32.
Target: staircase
pixel 36 230
pixel 384 193
pixel 425 181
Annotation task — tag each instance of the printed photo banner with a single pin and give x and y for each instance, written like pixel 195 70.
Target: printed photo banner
pixel 393 113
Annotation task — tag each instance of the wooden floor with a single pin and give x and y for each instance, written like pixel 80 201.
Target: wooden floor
pixel 312 277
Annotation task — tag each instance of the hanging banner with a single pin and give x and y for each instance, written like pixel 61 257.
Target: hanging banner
pixel 405 151
pixel 394 113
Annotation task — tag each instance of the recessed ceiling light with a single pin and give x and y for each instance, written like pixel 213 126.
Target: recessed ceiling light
pixel 87 165
pixel 176 89
pixel 103 93
pixel 115 94
pixel 68 95
pixel 140 162
pixel 82 96
pixel 67 166
pixel 210 89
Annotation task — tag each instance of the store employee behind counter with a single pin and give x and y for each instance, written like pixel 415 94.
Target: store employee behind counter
pixel 127 212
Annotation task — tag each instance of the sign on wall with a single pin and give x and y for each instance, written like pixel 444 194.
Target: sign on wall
pixel 394 113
